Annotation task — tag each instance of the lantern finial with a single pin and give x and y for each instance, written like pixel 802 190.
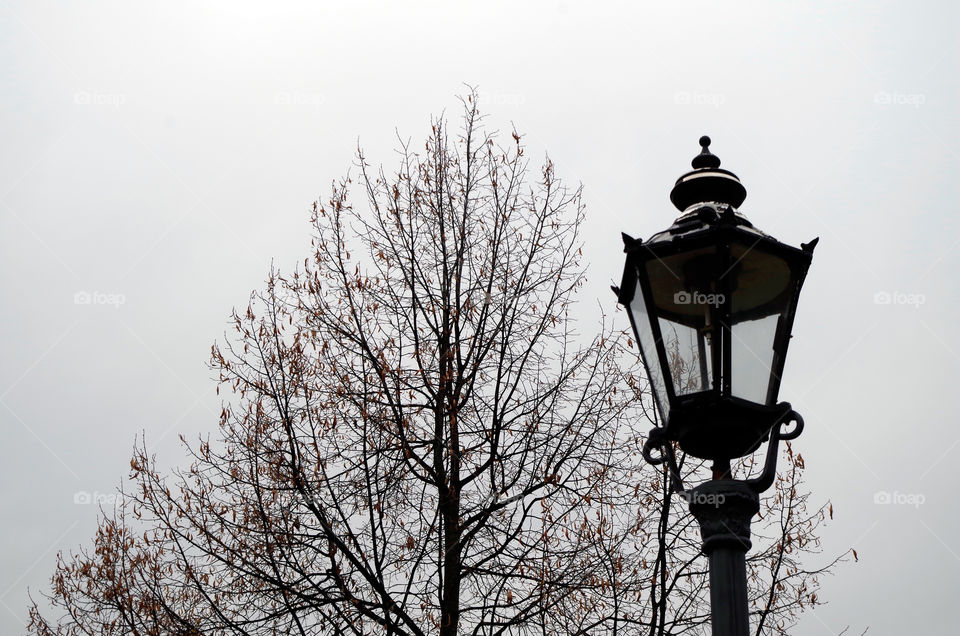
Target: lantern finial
pixel 705 159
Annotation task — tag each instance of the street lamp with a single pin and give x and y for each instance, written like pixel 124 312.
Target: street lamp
pixel 711 301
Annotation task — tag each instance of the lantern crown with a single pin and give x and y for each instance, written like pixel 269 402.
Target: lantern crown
pixel 707 182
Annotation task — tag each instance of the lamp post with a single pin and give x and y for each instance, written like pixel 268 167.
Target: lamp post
pixel 711 301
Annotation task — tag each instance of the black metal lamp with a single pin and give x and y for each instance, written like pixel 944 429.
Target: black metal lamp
pixel 711 301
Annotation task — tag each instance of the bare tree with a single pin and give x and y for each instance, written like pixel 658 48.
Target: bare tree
pixel 419 441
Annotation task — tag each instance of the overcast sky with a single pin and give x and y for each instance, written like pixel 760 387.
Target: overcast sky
pixel 155 157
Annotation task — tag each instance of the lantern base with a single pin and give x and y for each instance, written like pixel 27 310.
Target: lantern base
pixel 721 428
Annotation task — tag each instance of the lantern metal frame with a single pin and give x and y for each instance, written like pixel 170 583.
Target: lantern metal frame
pixel 712 423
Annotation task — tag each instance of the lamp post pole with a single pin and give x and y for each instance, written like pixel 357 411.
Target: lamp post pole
pixel 724 508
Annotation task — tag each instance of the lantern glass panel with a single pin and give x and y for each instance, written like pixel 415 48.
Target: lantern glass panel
pixel 761 295
pixel 683 290
pixel 688 355
pixel 648 348
pixel 751 358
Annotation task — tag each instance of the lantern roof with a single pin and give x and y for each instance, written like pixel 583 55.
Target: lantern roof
pixel 703 216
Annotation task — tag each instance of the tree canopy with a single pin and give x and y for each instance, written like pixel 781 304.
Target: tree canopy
pixel 416 439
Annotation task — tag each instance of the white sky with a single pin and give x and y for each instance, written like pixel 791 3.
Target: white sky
pixel 162 154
